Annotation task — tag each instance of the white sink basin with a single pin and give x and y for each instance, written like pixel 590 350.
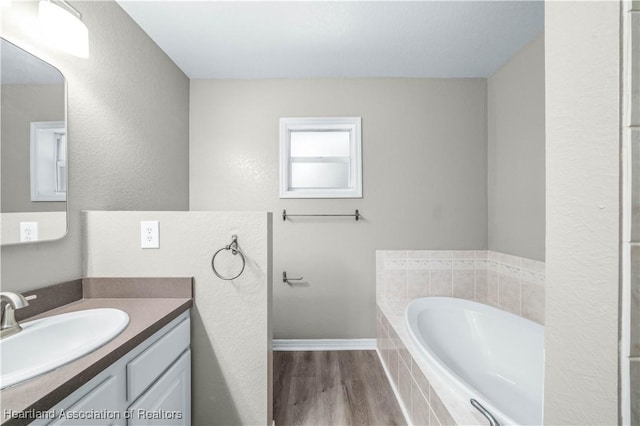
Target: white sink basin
pixel 48 343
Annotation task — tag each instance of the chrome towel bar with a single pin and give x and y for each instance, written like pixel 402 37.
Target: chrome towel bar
pixel 285 215
pixel 286 279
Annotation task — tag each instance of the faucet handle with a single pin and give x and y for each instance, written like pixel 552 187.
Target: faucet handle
pixel 8 324
pixel 32 297
pixel 15 300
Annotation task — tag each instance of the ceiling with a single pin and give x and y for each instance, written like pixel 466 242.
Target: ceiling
pixel 335 39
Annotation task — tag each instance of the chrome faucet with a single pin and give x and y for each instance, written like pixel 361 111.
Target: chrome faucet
pixel 9 325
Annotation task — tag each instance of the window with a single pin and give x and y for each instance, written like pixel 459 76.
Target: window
pixel 48 151
pixel 320 158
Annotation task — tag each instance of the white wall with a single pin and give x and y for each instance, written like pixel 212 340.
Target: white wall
pixel 424 161
pixel 231 320
pixel 582 56
pixel 516 182
pixel 127 132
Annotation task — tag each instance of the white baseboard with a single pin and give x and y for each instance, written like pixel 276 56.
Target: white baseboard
pixel 324 344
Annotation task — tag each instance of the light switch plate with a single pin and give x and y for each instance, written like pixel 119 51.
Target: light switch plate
pixel 150 234
pixel 28 231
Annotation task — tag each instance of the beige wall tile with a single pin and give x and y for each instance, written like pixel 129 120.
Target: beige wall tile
pixel 404 384
pixel 441 283
pixel 509 270
pixel 465 264
pixel 481 289
pixel 418 283
pixel 393 337
pixel 532 265
pixel 493 256
pixel 464 254
pixel 394 284
pixel 381 334
pixel 420 379
pixel 395 254
pixel 480 254
pixel 433 420
pixel 418 264
pixel 384 346
pixel 463 284
pixel 440 410
pixel 509 298
pixel 395 264
pixel 533 302
pixel 532 277
pixel 393 365
pixel 385 321
pixel 418 254
pixel 419 407
pixel 442 254
pixel 493 288
pixel 404 353
pixel 507 259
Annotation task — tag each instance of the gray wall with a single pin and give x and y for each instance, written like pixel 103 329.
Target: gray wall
pixel 230 322
pixel 127 132
pixel 22 104
pixel 424 160
pixel 516 182
pixel 582 59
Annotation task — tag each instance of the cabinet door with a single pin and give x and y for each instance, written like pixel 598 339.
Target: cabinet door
pixel 98 407
pixel 168 401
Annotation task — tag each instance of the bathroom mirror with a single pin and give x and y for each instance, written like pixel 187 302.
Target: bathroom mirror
pixel 33 148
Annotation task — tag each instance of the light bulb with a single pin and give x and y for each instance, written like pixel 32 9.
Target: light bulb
pixel 63 29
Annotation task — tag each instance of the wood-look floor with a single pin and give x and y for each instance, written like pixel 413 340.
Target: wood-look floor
pixel 332 388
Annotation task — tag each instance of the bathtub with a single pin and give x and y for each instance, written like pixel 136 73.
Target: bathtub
pixel 488 354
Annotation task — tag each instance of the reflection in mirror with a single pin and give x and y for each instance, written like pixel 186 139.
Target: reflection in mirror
pixel 34 148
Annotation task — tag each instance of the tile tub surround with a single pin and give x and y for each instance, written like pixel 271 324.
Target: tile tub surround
pixel 428 398
pixel 507 282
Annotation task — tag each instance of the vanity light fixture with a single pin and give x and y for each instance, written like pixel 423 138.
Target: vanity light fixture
pixel 62 25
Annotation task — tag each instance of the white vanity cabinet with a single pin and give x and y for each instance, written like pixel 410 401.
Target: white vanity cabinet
pixel 150 385
pixel 164 402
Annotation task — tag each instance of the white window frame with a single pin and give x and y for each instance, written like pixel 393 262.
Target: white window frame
pixel 44 162
pixel 351 124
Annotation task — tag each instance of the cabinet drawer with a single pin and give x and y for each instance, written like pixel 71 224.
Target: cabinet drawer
pixel 150 364
pixel 168 401
pixel 98 407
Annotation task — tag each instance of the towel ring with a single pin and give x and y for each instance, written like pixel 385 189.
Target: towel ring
pixel 233 246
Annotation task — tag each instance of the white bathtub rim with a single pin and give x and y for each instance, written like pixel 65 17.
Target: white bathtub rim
pixel 460 410
pixel 465 391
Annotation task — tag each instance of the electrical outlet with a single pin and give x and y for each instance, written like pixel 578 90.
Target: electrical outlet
pixel 150 234
pixel 28 231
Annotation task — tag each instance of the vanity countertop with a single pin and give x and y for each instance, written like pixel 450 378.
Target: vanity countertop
pixel 146 316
